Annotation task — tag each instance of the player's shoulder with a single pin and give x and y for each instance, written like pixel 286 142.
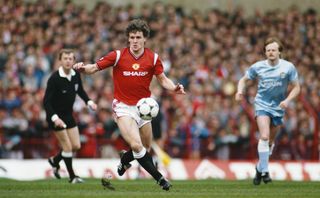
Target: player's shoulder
pixel 115 51
pixel 54 75
pixel 149 52
pixel 259 64
pixel 287 64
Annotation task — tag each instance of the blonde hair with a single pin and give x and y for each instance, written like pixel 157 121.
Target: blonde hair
pixel 272 40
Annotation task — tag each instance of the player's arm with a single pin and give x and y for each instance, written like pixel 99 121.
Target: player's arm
pixel 241 88
pixel 48 97
pixel 87 69
pixel 47 102
pixel 293 93
pixel 168 84
pixel 84 96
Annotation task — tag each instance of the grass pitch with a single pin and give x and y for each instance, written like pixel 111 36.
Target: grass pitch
pixel 148 188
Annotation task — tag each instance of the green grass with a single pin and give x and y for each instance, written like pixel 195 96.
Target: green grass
pixel 147 188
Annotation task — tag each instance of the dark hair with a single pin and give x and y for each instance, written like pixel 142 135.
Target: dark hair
pixel 66 51
pixel 272 40
pixel 138 25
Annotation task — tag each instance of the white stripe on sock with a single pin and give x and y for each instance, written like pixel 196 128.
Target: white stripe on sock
pixel 140 154
pixel 66 154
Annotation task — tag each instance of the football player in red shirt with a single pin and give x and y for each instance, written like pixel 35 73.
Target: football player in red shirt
pixel 133 69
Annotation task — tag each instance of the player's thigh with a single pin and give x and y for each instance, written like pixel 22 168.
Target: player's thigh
pixel 273 131
pixel 263 122
pixel 130 132
pixel 146 135
pixel 73 134
pixel 63 139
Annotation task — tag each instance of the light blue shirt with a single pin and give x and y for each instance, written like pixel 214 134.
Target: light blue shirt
pixel 272 85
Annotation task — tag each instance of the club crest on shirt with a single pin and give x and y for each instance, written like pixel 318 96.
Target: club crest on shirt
pixel 76 86
pixel 135 66
pixel 282 75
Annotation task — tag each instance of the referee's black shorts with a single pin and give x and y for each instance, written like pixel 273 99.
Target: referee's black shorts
pixel 66 118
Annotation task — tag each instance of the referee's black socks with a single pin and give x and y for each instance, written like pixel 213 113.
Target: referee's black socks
pixel 57 158
pixel 67 158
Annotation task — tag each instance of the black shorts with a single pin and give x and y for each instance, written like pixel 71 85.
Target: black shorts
pixel 67 119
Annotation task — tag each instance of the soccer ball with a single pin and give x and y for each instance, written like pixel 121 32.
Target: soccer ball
pixel 148 108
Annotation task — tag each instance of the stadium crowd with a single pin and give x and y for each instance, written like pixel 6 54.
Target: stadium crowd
pixel 206 52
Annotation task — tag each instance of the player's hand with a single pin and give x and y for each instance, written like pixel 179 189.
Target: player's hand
pixel 59 123
pixel 179 89
pixel 284 104
pixel 239 96
pixel 92 105
pixel 79 67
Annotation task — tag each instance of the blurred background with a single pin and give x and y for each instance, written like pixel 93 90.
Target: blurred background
pixel 205 45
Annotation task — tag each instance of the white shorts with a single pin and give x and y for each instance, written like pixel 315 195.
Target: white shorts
pixel 121 109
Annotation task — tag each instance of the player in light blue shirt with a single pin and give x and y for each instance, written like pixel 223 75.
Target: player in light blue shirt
pixel 274 75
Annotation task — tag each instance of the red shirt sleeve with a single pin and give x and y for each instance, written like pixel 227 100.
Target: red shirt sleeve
pixel 107 61
pixel 158 68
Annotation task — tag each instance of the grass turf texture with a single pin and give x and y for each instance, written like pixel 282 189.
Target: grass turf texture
pixel 147 188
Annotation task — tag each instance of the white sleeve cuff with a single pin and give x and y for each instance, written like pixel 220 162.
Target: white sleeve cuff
pixel 90 102
pixel 54 117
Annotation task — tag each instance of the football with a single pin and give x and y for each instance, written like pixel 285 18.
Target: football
pixel 148 108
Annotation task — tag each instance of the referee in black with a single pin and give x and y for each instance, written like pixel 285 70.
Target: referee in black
pixel 62 87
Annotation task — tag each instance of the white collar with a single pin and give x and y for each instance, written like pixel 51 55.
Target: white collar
pixel 64 75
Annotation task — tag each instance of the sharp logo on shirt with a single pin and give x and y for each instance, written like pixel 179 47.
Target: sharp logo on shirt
pixel 135 73
pixel 76 86
pixel 136 66
pixel 282 75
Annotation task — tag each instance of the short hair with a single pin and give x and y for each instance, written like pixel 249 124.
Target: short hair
pixel 272 40
pixel 138 25
pixel 66 51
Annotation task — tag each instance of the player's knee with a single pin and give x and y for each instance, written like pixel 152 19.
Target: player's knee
pixel 136 147
pixel 76 147
pixel 147 145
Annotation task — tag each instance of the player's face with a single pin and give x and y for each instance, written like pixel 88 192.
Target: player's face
pixel 136 41
pixel 67 60
pixel 272 51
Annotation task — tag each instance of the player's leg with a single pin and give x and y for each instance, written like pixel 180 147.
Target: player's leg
pixel 127 156
pixel 263 122
pixel 74 138
pixel 276 124
pixel 66 153
pixel 55 160
pixel 73 134
pixel 273 133
pixel 146 137
pixel 130 132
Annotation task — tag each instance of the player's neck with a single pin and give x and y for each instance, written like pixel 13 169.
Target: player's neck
pixel 273 62
pixel 137 53
pixel 66 71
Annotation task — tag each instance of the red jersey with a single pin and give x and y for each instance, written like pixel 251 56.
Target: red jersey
pixel 131 75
